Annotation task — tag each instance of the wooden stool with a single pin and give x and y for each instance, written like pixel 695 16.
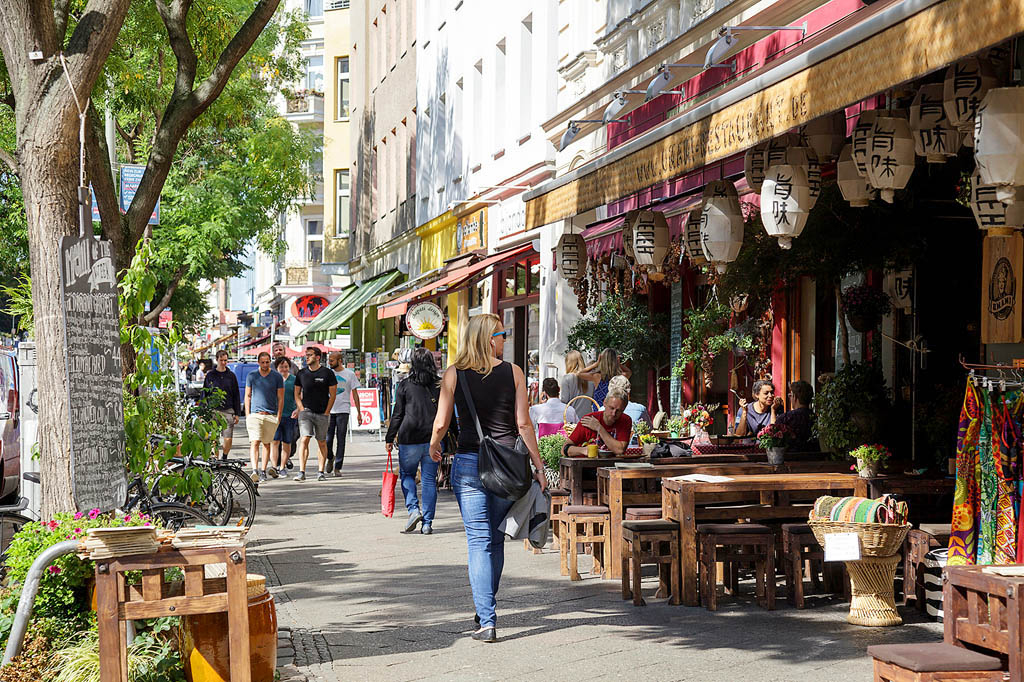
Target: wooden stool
pixel 725 542
pixel 651 542
pixel 918 543
pixel 589 499
pixel 559 498
pixel 583 523
pixel 154 598
pixel 642 513
pixel 932 663
pixel 800 547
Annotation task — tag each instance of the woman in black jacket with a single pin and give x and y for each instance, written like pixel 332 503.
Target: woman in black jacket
pixel 410 427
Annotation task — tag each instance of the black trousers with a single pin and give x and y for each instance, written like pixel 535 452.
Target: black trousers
pixel 337 431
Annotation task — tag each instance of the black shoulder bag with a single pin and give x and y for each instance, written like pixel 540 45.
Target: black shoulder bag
pixel 504 471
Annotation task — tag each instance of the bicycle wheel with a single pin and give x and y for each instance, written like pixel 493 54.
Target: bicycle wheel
pixel 177 516
pixel 10 523
pixel 232 497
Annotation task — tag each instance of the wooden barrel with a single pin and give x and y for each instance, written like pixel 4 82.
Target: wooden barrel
pixel 205 639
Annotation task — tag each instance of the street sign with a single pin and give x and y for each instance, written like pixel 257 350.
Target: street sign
pixel 95 208
pixel 131 176
pixel 369 409
pixel 165 319
pixel 93 356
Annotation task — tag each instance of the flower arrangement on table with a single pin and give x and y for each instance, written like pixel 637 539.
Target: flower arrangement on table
pixel 866 301
pixel 675 426
pixel 869 456
pixel 699 415
pixel 776 436
pixel 643 433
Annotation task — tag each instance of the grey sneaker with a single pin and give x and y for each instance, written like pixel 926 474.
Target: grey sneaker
pixel 255 476
pixel 272 472
pixel 337 473
pixel 414 519
pixel 321 477
pixel 283 472
pixel 300 477
pixel 262 475
pixel 426 529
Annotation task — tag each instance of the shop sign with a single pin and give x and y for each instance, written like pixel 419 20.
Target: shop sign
pixel 165 319
pixel 425 320
pixel 511 218
pixel 369 410
pixel 1003 258
pixel 471 232
pixel 305 308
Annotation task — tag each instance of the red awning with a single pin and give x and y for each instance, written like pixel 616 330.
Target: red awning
pixel 450 282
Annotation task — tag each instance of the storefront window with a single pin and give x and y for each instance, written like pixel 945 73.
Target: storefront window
pixel 520 279
pixel 534 266
pixel 533 347
pixel 509 320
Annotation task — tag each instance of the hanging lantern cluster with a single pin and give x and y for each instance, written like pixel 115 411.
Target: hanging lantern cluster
pixel 692 238
pixel 785 202
pixel 650 239
pixel 826 135
pixel 989 212
pixel 859 140
pixel 852 185
pixel 890 155
pixel 966 84
pixel 571 254
pixel 935 137
pixel 721 224
pixel 999 141
pixel 759 158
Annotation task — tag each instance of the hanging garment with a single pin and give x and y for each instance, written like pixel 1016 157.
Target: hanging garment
pixel 963 539
pixel 985 468
pixel 1003 452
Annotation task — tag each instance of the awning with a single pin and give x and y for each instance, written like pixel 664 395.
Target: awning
pixel 869 51
pixel 453 281
pixel 226 337
pixel 340 311
pixel 408 285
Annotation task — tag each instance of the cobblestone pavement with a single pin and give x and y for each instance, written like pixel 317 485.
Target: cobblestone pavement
pixel 359 600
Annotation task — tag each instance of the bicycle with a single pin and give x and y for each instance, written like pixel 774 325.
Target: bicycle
pixel 230 496
pixel 10 523
pixel 173 515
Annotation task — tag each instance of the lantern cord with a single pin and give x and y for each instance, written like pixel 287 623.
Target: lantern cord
pixel 81 122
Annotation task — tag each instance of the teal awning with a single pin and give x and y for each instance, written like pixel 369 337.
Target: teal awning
pixel 352 299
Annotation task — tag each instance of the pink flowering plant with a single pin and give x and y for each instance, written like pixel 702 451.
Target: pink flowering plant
pixel 866 301
pixel 775 436
pixel 875 452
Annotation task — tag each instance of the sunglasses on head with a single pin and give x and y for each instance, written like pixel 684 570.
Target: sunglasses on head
pixel 503 334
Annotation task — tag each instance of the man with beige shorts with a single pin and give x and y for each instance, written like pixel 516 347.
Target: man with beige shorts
pixel 264 399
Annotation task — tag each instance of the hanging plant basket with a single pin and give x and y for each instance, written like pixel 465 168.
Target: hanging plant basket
pixel 863 323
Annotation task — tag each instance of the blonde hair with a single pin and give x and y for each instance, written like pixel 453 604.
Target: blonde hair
pixel 618 387
pixel 574 362
pixel 475 350
pixel 608 364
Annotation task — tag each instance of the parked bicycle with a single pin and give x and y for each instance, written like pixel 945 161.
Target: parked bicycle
pixel 230 497
pixel 173 515
pixel 10 523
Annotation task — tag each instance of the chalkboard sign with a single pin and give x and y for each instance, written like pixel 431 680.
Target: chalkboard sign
pixel 676 346
pixel 89 302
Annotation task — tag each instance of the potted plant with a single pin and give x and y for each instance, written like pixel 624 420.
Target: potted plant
pixel 675 427
pixel 775 438
pixel 643 434
pixel 697 418
pixel 849 407
pixel 869 459
pixel 865 307
pixel 551 452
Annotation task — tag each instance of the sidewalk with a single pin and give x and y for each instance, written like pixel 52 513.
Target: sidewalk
pixel 363 601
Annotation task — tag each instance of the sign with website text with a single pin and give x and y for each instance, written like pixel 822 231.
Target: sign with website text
pixel 369 410
pixel 1002 268
pixel 471 232
pixel 131 176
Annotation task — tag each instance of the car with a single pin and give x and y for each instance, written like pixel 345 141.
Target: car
pixel 10 425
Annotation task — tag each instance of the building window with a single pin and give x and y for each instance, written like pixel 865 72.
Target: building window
pixel 314 241
pixel 342 203
pixel 341 93
pixel 498 118
pixel 315 8
pixel 525 74
pixel 315 73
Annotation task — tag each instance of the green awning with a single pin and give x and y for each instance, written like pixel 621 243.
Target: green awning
pixel 340 311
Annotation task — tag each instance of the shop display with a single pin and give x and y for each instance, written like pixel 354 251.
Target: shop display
pixel 721 224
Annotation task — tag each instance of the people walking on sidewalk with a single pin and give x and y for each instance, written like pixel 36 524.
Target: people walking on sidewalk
pixel 411 424
pixel 337 429
pixel 264 400
pixel 278 451
pixel 288 428
pixel 223 379
pixel 498 390
pixel 315 391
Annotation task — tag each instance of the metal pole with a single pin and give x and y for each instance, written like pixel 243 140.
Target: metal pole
pixel 84 212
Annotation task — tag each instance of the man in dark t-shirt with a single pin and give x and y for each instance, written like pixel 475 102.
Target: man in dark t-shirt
pixel 316 388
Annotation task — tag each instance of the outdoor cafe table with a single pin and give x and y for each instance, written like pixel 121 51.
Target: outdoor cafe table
pixel 682 502
pixel 612 489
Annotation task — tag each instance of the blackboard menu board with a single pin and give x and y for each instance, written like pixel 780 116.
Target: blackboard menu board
pixel 93 348
pixel 676 346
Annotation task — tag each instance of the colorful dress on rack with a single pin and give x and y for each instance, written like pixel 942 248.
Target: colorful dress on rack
pixel 963 540
pixel 1004 451
pixel 987 489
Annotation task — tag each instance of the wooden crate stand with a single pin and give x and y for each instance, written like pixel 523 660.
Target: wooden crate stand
pixel 117 602
pixel 984 611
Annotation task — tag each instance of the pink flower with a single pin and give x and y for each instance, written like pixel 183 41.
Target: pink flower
pixel 54 569
pixel 77 531
pixel 147 523
pixel 78 515
pixel 127 517
pixel 93 513
pixel 52 524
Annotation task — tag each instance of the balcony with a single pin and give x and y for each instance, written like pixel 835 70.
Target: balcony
pixel 304 107
pixel 305 275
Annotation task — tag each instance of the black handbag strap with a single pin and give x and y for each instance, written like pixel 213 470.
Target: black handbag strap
pixel 468 395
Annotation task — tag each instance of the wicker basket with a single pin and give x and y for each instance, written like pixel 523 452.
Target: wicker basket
pixel 876 539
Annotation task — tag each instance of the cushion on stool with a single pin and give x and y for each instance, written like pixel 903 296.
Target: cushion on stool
pixel 732 528
pixel 651 525
pixel 553 492
pixel 585 509
pixel 797 529
pixel 639 513
pixel 933 657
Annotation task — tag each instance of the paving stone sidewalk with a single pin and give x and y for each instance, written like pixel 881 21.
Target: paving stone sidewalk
pixel 358 600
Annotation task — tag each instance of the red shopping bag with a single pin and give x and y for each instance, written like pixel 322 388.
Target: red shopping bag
pixel 387 490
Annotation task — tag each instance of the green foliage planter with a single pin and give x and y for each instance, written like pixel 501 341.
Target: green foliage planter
pixel 551 452
pixel 706 335
pixel 624 325
pixel 850 406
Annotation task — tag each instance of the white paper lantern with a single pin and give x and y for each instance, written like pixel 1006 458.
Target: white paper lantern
pixel 859 140
pixel 807 158
pixel 721 224
pixel 890 147
pixel 826 135
pixel 761 156
pixel 852 185
pixel 785 202
pixel 966 84
pixel 999 141
pixel 571 252
pixel 692 237
pixel 627 237
pixel 935 138
pixel 650 238
pixel 989 212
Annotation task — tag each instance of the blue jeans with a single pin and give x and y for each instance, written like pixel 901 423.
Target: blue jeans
pixel 482 512
pixel 411 457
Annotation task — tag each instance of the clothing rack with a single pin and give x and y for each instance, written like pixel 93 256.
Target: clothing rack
pixel 1002 383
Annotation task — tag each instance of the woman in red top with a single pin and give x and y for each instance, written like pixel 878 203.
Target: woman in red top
pixel 611 428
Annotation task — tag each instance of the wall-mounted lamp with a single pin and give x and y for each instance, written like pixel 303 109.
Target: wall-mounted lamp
pixel 726 38
pixel 573 130
pixel 664 77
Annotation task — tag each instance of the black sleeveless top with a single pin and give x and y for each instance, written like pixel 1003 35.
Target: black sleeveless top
pixel 495 399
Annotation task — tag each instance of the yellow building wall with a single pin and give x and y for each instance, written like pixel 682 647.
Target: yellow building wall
pixel 337 145
pixel 437 244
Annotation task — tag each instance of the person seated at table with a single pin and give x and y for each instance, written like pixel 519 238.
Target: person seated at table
pixel 549 415
pixel 765 409
pixel 801 417
pixel 610 428
pixel 607 366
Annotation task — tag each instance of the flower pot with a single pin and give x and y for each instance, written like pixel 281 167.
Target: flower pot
pixel 776 456
pixel 648 448
pixel 867 469
pixel 863 323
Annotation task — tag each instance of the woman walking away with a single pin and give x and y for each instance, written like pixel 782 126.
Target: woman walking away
pixel 415 409
pixel 498 390
pixel 572 385
pixel 608 367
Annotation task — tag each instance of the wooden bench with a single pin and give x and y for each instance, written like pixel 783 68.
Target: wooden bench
pixel 919 542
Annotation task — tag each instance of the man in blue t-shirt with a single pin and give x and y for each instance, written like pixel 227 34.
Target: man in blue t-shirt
pixel 264 400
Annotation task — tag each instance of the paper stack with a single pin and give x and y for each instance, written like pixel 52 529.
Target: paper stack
pixel 104 543
pixel 701 478
pixel 202 537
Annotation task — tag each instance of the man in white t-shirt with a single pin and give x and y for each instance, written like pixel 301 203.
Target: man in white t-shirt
pixel 347 398
pixel 549 415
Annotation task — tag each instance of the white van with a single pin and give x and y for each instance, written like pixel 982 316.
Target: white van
pixel 10 425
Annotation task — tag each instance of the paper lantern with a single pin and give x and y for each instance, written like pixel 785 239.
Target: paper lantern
pixel 966 84
pixel 859 140
pixel 890 147
pixel 826 135
pixel 999 141
pixel 853 186
pixel 571 252
pixel 935 138
pixel 805 157
pixel 692 237
pixel 785 202
pixel 989 212
pixel 721 230
pixel 761 156
pixel 650 238
pixel 627 238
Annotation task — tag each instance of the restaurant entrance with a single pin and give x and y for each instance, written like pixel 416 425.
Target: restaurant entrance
pixel 517 303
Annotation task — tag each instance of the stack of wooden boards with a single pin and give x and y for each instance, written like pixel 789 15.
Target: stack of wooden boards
pixel 104 543
pixel 202 537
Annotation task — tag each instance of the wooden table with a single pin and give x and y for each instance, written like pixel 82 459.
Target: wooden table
pixel 987 611
pixel 900 484
pixel 681 501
